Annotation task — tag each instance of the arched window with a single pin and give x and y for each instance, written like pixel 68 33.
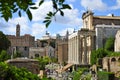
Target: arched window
pixel 113 60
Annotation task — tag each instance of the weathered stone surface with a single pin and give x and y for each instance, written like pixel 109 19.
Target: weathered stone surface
pixel 111 64
pixel 30 64
pixel 117 42
pixel 103 32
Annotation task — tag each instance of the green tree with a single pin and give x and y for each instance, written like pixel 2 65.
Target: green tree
pixel 4 56
pixel 111 54
pixel 109 45
pixel 78 74
pixel 4 42
pixel 100 53
pixel 8 7
pixel 43 61
pixel 17 54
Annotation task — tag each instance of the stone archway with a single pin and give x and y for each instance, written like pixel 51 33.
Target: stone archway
pixel 113 59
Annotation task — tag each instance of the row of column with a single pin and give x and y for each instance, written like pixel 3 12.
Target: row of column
pixel 86 44
pixel 73 50
pixel 79 49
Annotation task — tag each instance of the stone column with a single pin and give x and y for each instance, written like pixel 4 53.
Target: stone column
pixel 92 42
pixel 80 49
pixel 85 49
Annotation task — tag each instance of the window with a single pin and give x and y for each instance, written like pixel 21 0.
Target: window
pixel 36 55
pixel 25 48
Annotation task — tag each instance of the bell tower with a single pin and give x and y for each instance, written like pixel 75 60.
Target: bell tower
pixel 17 30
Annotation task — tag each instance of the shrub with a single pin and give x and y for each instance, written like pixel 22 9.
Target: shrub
pixel 100 53
pixel 109 45
pixel 103 75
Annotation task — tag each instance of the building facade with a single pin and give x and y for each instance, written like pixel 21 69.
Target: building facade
pixel 20 43
pixel 45 46
pixel 79 50
pixel 103 32
pixel 61 49
pixel 36 52
pixel 95 28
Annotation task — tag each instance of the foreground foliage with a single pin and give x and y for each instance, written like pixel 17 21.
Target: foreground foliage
pixel 103 75
pixel 81 74
pixel 8 72
pixel 4 56
pixel 44 61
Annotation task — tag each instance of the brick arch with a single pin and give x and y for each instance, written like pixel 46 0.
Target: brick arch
pixel 113 59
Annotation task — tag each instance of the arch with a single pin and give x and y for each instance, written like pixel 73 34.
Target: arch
pixel 119 59
pixel 113 60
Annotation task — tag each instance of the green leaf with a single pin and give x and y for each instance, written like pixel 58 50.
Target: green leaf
pixel 10 15
pixel 50 14
pixel 47 24
pixel 61 13
pixel 66 6
pixel 41 2
pixel 15 10
pixel 31 3
pixel 29 14
pixel 33 7
pixel 61 1
pixel 55 5
pixel 6 18
pixel 45 21
pixel 19 13
pixel 47 17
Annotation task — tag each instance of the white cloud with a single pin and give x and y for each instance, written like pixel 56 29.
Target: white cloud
pixel 109 14
pixel 63 32
pixel 38 29
pixel 41 12
pixel 10 26
pixel 117 6
pixel 23 21
pixel 94 5
pixel 71 17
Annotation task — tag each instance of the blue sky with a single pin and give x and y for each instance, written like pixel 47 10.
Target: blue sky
pixel 72 19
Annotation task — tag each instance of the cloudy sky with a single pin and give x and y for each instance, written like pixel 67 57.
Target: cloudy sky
pixel 71 20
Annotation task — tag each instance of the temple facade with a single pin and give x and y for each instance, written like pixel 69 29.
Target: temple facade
pixel 80 46
pixel 91 36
